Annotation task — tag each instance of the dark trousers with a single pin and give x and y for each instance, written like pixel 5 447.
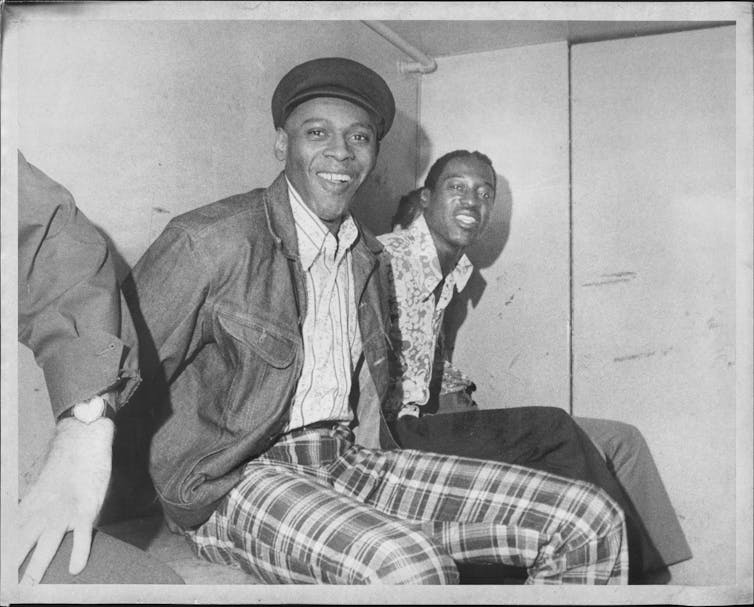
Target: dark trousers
pixel 544 438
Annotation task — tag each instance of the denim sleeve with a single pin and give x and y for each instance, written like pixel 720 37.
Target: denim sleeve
pixel 69 301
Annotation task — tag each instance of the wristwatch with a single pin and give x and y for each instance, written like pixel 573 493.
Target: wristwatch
pixel 409 410
pixel 90 410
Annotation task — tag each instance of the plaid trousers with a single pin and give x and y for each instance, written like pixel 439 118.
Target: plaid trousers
pixel 317 508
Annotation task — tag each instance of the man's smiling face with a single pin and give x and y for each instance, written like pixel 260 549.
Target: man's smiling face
pixel 458 209
pixel 329 146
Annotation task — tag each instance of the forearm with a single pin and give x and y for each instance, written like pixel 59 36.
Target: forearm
pixel 81 453
pixel 75 441
pixel 70 316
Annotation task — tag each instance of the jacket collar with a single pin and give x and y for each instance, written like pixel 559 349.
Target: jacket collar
pixel 282 228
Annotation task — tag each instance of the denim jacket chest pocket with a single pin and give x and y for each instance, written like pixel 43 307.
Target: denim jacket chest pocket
pixel 265 367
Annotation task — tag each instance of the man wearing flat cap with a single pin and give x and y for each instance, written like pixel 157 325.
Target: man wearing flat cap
pixel 266 318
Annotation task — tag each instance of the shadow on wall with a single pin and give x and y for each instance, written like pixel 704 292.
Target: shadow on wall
pixel 131 493
pixel 377 199
pixel 483 254
pixel 375 203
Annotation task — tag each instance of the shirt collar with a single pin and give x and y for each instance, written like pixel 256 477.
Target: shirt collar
pixel 314 236
pixel 426 265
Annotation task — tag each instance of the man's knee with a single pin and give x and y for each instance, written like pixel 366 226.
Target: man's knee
pixel 551 415
pixel 405 562
pixel 556 421
pixel 618 440
pixel 556 412
pixel 607 517
pixel 630 436
pixel 625 443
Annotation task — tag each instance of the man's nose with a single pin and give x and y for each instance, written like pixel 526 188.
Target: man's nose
pixel 470 199
pixel 339 148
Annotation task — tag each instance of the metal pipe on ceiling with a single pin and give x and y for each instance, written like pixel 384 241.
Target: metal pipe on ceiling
pixel 423 64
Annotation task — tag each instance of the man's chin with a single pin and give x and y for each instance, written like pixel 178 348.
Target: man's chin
pixel 466 239
pixel 335 211
pixel 332 217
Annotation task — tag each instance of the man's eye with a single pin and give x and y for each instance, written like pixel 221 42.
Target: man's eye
pixel 316 132
pixel 361 137
pixel 485 194
pixel 456 186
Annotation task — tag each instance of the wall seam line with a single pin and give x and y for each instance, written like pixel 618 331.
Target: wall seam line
pixel 570 235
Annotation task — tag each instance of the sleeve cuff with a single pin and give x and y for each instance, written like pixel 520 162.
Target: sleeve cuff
pixel 86 366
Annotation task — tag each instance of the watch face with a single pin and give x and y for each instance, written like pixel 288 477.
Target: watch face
pixel 89 411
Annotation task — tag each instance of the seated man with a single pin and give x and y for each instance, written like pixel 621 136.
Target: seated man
pixel 263 321
pixel 69 315
pixel 434 226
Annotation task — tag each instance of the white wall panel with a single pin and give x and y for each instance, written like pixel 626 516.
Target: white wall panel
pixel 654 178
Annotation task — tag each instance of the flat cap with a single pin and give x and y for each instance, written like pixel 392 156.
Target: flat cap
pixel 334 77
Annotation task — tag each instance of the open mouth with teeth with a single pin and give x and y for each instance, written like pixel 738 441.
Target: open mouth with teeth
pixel 466 220
pixel 337 178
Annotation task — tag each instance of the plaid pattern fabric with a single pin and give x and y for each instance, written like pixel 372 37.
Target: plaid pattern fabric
pixel 316 508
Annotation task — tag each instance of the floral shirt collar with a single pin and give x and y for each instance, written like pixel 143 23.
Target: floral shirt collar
pixel 423 263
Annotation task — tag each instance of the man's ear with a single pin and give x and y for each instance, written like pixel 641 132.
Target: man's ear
pixel 281 144
pixel 424 196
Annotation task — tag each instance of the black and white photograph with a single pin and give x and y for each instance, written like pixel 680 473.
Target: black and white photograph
pixel 299 298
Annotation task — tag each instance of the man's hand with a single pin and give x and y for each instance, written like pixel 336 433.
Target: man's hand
pixel 67 496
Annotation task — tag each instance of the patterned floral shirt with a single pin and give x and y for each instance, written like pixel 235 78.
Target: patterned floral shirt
pixel 332 342
pixel 417 321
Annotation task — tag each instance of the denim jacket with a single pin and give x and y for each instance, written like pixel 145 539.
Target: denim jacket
pixel 219 299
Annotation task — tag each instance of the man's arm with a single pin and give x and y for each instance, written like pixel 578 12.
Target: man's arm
pixel 70 316
pixel 69 301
